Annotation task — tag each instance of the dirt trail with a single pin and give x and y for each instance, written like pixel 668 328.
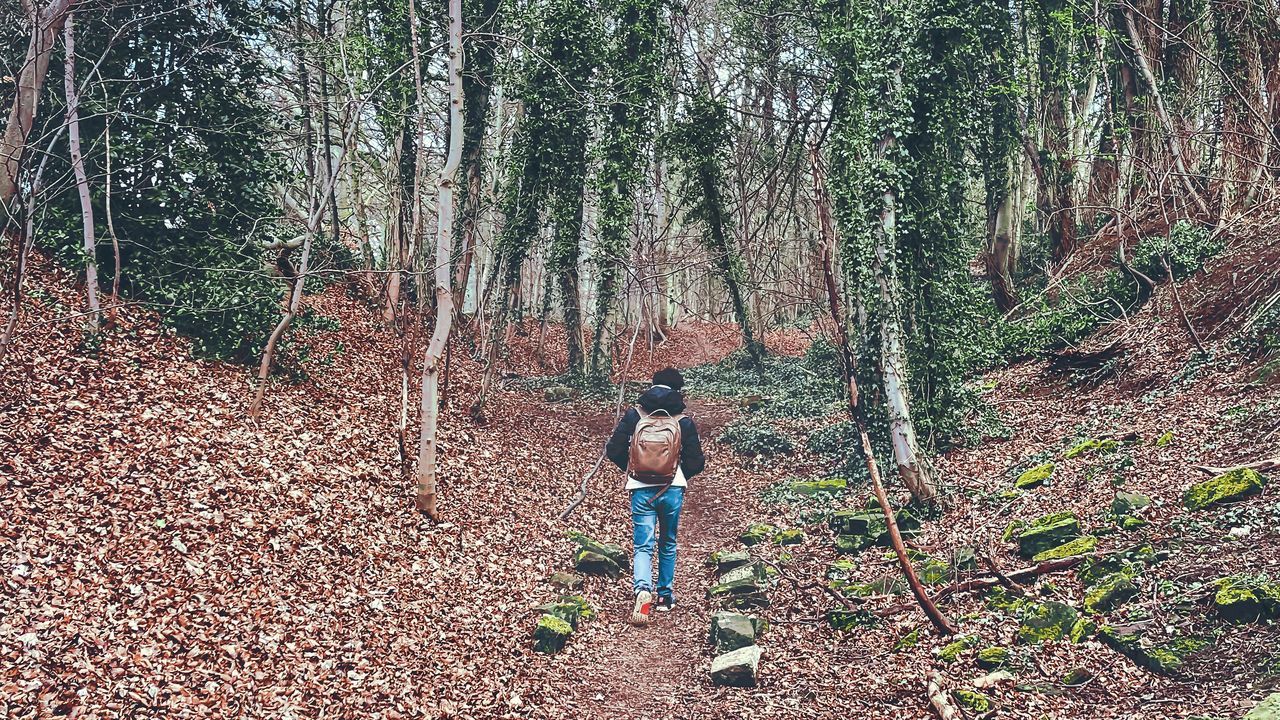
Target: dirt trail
pixel 619 670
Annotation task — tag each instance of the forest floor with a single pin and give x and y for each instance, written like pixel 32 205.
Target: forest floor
pixel 164 556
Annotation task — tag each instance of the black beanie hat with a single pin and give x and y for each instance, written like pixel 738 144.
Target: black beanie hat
pixel 670 377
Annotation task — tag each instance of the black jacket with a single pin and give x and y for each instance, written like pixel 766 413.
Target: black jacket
pixel 658 398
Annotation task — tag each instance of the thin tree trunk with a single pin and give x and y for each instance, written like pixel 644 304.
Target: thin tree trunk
pixel 325 130
pixel 115 240
pixel 426 500
pixel 46 23
pixel 82 178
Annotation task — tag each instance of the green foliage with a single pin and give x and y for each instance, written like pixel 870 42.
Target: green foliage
pixel 786 387
pixel 1186 249
pixel 193 163
pixel 749 436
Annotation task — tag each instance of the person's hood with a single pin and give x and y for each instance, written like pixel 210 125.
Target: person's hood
pixel 661 397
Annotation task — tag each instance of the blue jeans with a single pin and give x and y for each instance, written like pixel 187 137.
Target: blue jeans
pixel 655 524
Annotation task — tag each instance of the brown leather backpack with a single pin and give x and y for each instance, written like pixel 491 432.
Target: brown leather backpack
pixel 655 447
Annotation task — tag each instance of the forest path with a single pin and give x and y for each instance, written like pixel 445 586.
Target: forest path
pixel 620 670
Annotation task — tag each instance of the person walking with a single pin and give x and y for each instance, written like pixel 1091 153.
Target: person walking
pixel 657 446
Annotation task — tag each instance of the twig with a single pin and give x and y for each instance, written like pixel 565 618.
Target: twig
pixel 1260 465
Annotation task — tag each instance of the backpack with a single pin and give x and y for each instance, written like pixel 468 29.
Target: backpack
pixel 655 447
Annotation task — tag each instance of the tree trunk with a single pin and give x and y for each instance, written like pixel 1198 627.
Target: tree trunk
pixel 325 129
pixel 893 355
pixel 82 179
pixel 46 23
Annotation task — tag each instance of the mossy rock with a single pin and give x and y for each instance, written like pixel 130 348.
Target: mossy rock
pixel 1268 709
pixel 1079 546
pixel 737 668
pixel 569 608
pixel 1243 601
pixel 952 651
pixel 1131 523
pixel 725 560
pixel 871 524
pixel 1046 622
pixel 551 634
pixel 1082 630
pixel 993 658
pixel 1165 439
pixel 1227 487
pixel 997 598
pixel 1165 657
pixel 730 631
pixel 1091 445
pixel 565 581
pixel 1035 477
pixel 813 488
pixel 610 550
pixel 1131 562
pixel 593 563
pixel 1076 677
pixel 847 620
pixel 742 587
pixel 853 544
pixel 909 640
pixel 1127 503
pixel 1109 594
pixel 757 533
pixel 842 567
pixel 1011 531
pixel 794 536
pixel 559 394
pixel 1048 532
pixel 974 701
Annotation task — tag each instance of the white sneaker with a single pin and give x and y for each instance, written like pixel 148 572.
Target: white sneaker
pixel 644 604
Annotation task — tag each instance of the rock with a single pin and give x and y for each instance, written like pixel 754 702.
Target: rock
pixel 609 550
pixel 1090 446
pixel 1035 477
pixel 952 651
pixel 1000 599
pixel 853 544
pixel 1046 622
pixel 737 668
pixel 593 563
pixel 865 528
pixel 1131 562
pixel 911 639
pixel 742 587
pixel 993 658
pixel 569 608
pixel 1082 630
pixel 559 394
pixel 730 631
pixel 1109 594
pixel 757 533
pixel 565 581
pixel 811 488
pixel 551 634
pixel 1048 532
pixel 1126 503
pixel 1244 602
pixel 973 701
pixel 1227 487
pixel 1079 546
pixel 1076 677
pixel 794 536
pixel 725 560
pixel 1165 657
pixel 964 559
pixel 1268 709
pixel 1131 523
pixel 851 619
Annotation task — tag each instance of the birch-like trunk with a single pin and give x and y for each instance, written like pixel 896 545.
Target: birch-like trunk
pixel 82 178
pixel 46 23
pixel 426 501
pixel 902 432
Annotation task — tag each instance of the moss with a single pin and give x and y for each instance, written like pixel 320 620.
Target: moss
pixel 1035 477
pixel 1082 630
pixel 911 639
pixel 1130 523
pixel 809 488
pixel 1046 622
pixel 973 700
pixel 1110 594
pixel 551 634
pixel 1166 659
pixel 757 533
pixel 846 620
pixel 1000 599
pixel 951 652
pixel 726 560
pixel 1244 600
pixel 1011 532
pixel 1090 446
pixel 593 563
pixel 1048 532
pixel 993 658
pixel 1165 439
pixel 1077 677
pixel 1079 546
pixel 1227 487
pixel 789 537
